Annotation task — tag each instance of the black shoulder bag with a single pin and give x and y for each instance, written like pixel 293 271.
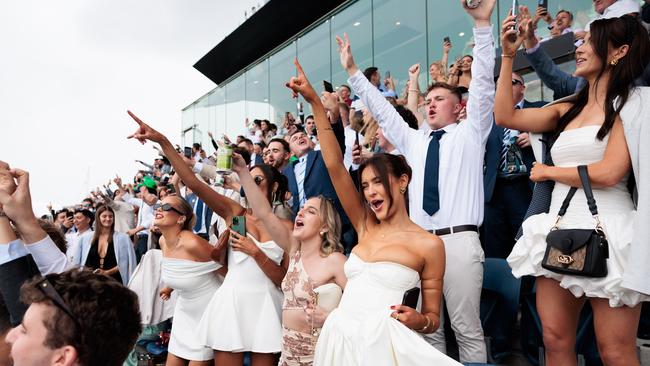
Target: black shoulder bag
pixel 578 252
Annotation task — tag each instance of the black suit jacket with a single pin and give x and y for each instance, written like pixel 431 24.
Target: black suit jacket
pixel 12 275
pixel 493 154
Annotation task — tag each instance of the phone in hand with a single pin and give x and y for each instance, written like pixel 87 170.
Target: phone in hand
pixel 328 86
pixel 356 137
pixel 388 74
pixel 239 225
pixel 411 297
pixel 446 39
pixel 515 11
pixel 542 4
pixel 187 151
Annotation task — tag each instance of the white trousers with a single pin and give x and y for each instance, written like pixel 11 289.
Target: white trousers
pixel 463 282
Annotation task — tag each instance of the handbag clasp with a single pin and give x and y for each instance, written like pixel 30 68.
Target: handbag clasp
pixel 565 259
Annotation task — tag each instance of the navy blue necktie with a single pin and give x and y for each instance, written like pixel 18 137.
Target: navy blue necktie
pixel 431 199
pixel 199 215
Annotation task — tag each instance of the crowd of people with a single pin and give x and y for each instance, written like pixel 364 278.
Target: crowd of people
pixel 343 237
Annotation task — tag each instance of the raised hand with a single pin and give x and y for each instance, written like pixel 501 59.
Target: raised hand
pixel 482 13
pixel 446 46
pixel 511 39
pixel 238 163
pixel 17 205
pixel 345 54
pixel 330 101
pixel 414 72
pixel 144 131
pixel 7 183
pixel 300 85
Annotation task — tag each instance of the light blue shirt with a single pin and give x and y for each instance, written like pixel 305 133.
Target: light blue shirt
pixel 11 251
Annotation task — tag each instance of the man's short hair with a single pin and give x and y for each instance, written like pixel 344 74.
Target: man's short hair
pixel 196 145
pixel 86 212
pixel 55 233
pixel 452 89
pixel 247 141
pixel 298 129
pixel 107 314
pixel 570 14
pixel 370 71
pixel 283 142
pixel 346 87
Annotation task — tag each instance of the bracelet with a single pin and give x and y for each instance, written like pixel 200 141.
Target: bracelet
pixel 264 263
pixel 426 326
pixel 414 90
pixel 507 55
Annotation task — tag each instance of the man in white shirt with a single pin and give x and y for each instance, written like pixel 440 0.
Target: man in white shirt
pixel 124 212
pixel 83 222
pixel 446 191
pixel 145 216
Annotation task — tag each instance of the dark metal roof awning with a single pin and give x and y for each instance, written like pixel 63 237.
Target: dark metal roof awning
pixel 266 29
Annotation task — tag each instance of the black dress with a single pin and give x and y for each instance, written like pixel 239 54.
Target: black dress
pixel 94 261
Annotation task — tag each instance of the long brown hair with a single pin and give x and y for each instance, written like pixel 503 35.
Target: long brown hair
pixel 99 229
pixel 614 32
pixel 384 165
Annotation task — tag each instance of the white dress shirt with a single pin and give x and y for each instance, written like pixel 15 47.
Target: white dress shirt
pixel 462 147
pixel 145 213
pixel 124 215
pixel 299 170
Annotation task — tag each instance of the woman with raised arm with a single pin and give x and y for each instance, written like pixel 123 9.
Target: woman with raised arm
pixel 394 255
pixel 587 131
pixel 107 251
pixel 244 314
pixel 315 279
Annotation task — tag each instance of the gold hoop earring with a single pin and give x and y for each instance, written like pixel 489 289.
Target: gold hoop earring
pixel 614 62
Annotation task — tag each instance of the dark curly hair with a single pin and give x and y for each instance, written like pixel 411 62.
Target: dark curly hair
pixel 107 312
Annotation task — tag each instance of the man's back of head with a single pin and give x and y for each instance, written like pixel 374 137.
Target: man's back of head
pixel 75 318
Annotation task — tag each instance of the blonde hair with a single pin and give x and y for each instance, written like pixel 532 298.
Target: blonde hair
pixel 331 219
pixel 370 128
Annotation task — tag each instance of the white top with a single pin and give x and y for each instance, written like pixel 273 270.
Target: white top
pixel 145 213
pixel 124 215
pixel 46 255
pixel 462 147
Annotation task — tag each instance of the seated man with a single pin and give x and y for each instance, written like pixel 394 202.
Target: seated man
pixel 75 318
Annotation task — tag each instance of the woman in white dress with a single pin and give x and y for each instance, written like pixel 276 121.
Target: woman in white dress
pixel 188 269
pixel 107 251
pixel 244 315
pixel 589 132
pixel 315 280
pixel 370 326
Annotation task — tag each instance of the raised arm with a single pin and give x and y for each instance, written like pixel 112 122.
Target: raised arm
pixel 605 173
pixel 332 155
pixel 221 205
pixel 528 119
pixel 394 127
pixel 280 233
pixel 414 92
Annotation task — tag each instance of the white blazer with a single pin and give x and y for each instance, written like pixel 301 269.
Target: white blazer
pixel 124 254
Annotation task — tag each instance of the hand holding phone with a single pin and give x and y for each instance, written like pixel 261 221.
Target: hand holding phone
pixel 328 86
pixel 187 151
pixel 411 297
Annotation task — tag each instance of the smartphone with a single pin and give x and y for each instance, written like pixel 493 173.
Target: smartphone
pixel 239 225
pixel 356 137
pixel 515 10
pixel 411 297
pixel 69 214
pixel 542 4
pixel 328 86
pixel 446 39
pixel 387 74
pixel 187 151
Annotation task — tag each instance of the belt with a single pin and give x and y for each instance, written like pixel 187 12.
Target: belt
pixel 455 229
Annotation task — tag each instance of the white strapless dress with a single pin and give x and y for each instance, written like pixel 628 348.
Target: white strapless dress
pixel 362 332
pixel 245 314
pixel 195 283
pixel 616 211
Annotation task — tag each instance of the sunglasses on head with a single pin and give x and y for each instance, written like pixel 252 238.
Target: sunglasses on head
pixel 258 179
pixel 166 207
pixel 50 292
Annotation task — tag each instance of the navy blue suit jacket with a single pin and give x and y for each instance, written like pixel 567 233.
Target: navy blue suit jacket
pixel 317 180
pixel 493 154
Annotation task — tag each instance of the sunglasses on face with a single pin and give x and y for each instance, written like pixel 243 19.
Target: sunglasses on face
pixel 50 292
pixel 515 82
pixel 166 207
pixel 258 179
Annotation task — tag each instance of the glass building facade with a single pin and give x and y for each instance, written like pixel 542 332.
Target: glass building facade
pixel 389 34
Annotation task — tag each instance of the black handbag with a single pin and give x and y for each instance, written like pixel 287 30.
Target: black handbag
pixel 578 252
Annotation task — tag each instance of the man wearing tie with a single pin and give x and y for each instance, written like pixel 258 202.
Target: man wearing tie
pixel 446 191
pixel 508 189
pixel 202 213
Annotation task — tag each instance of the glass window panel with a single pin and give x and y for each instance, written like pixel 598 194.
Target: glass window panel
pixel 314 56
pixel 217 103
pixel 201 121
pixel 187 123
pixel 400 38
pixel 282 69
pixel 257 91
pixel 354 20
pixel 235 106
